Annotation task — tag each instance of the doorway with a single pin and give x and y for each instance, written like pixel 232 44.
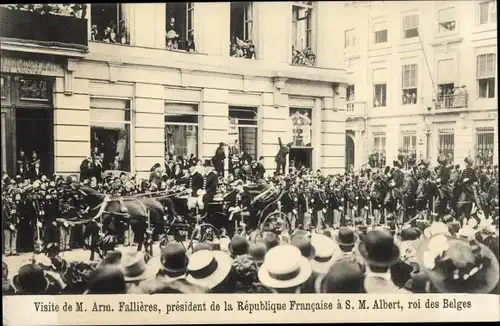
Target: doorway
pixel 349 152
pixel 34 132
pixel 301 156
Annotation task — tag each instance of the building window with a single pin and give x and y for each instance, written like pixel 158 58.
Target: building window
pixel 408 152
pixel 302 52
pixel 243 128
pixel 446 20
pixel 350 95
pixel 446 145
pixel 241 30
pixel 3 87
pixel 110 132
pixel 109 23
pixel 379 80
pixel 350 39
pixel 380 95
pixel 485 145
pixel 301 126
pixel 180 26
pixel 377 157
pixel 487 12
pixel 409 79
pixel 381 36
pixel 181 130
pixel 486 75
pixel 410 26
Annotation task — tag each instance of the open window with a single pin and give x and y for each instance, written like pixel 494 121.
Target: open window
pixel 109 23
pixel 410 26
pixel 409 79
pixel 377 158
pixel 110 132
pixel 243 132
pixel 181 129
pixel 379 77
pixel 486 75
pixel 301 126
pixel 485 145
pixel 302 34
pixel 446 145
pixel 241 30
pixel 446 20
pixel 179 29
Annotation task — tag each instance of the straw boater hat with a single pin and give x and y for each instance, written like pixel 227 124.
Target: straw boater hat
pixel 284 267
pixel 135 267
pixel 208 268
pixel 457 265
pixel 324 255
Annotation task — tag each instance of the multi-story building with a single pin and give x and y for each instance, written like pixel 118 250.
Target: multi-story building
pixel 422 81
pixel 138 81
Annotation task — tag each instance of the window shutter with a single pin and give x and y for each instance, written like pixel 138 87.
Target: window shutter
pixel 409 76
pixel 490 64
pixel 446 71
pixel 481 65
pixel 413 79
pixel 379 76
pixel 447 15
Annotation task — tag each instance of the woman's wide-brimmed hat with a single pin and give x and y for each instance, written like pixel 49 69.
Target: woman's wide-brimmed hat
pixel 284 267
pixel 378 248
pixel 324 255
pixel 208 268
pixel 458 266
pixel 135 267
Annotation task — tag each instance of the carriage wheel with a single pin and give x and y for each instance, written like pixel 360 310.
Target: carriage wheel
pixel 165 238
pixel 205 231
pixel 276 222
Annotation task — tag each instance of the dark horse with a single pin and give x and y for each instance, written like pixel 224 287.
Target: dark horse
pixel 140 212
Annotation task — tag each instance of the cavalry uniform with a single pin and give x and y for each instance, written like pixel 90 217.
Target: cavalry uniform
pixel 468 178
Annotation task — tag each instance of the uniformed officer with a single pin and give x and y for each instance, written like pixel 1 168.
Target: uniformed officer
pixel 443 182
pixel 10 201
pixel 469 178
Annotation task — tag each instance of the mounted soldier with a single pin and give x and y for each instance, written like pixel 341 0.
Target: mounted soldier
pixel 443 183
pixel 467 194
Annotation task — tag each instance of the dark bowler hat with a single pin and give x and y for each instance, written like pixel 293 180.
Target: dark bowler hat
pixel 346 237
pixel 174 258
pixel 409 234
pixel 238 245
pixel 305 246
pixel 378 248
pixel 208 162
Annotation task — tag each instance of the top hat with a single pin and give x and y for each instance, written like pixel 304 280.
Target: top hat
pixel 208 162
pixel 208 268
pixel 284 267
pixel 345 237
pixel 458 266
pixel 378 248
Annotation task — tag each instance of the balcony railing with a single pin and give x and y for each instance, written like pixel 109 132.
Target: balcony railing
pixel 44 29
pixel 355 109
pixel 452 101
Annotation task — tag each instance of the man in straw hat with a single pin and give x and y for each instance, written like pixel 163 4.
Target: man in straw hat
pixel 285 269
pixel 135 269
pixel 211 270
pixel 379 252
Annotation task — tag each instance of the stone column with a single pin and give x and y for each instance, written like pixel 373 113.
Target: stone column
pixel 149 127
pixel 359 150
pixel 215 125
pixel 71 126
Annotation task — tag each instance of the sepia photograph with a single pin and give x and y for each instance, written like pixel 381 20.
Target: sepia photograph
pixel 261 148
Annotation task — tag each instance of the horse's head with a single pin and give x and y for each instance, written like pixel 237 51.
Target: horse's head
pixel 91 196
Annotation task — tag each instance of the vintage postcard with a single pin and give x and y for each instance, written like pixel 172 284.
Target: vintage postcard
pixel 249 162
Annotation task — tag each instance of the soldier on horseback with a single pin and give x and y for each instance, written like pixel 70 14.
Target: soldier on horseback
pixel 468 193
pixel 443 183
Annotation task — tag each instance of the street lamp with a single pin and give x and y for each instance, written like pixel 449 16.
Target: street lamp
pixel 428 130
